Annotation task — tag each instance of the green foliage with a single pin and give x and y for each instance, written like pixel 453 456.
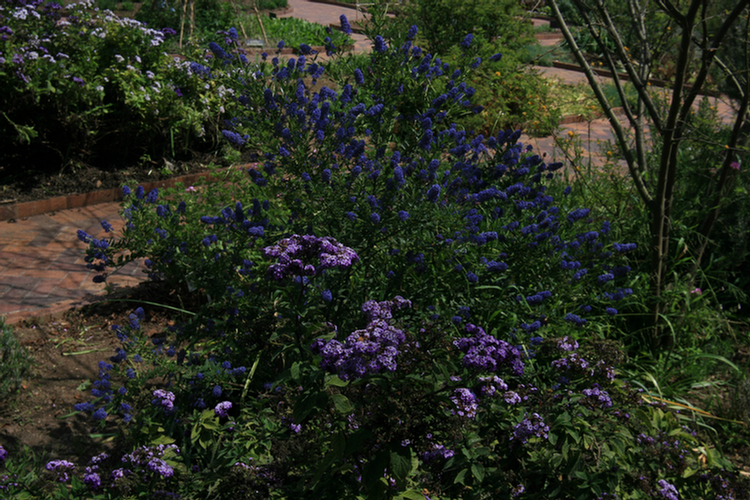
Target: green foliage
pixel 294 31
pixel 15 361
pixel 386 306
pixel 513 96
pixel 272 4
pixel 105 92
pixel 210 16
pixel 444 23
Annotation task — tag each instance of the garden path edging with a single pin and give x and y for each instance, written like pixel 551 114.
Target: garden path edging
pixel 22 210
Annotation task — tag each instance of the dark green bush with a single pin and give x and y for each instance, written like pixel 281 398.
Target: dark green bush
pixel 444 23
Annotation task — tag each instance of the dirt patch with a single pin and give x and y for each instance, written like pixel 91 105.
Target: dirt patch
pixel 66 354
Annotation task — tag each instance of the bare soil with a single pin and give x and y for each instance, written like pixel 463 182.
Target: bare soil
pixel 66 354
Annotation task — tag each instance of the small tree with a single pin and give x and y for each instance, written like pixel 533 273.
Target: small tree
pixel 694 34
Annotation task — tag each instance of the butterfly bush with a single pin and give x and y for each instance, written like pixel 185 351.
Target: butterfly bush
pixel 475 368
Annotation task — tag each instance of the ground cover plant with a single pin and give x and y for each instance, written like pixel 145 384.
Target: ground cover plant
pixel 388 307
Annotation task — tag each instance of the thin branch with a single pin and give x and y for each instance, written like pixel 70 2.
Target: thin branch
pixel 606 106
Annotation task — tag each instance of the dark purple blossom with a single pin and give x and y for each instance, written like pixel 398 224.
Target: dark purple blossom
pixel 369 351
pixel 345 26
pixel 667 490
pixel 62 468
pixel 163 398
pixel 486 353
pixel 575 319
pixel 529 427
pixel 465 402
pixel 433 193
pixel 222 408
pixel 297 254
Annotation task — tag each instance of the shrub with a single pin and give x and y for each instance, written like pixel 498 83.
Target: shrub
pixel 444 23
pixel 393 308
pixel 94 88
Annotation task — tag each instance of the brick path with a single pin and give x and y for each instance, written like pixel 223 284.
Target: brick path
pixel 42 271
pixel 42 267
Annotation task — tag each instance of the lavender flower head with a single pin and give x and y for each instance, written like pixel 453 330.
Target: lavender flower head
pixel 465 402
pixel 598 396
pixel 222 408
pixel 667 490
pixel 148 460
pixel 3 454
pixel 345 26
pixel 529 427
pixel 163 398
pixel 296 256
pixel 371 350
pixel 486 353
pixel 62 468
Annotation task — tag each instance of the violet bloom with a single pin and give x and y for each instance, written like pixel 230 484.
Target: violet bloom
pixel 164 399
pixel 3 454
pixel 297 254
pixel 368 351
pixel 466 403
pixel 533 426
pixel 667 490
pixel 62 468
pixel 486 353
pixel 92 480
pixel 345 26
pixel 222 409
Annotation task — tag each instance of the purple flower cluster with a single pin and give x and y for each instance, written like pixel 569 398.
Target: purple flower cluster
pixel 529 427
pixel 91 477
pixel 667 490
pixel 222 409
pixel 438 451
pixel 297 253
pixel 368 351
pixel 163 398
pixel 150 460
pixel 486 353
pixel 488 386
pixel 62 468
pixel 465 402
pixel 598 395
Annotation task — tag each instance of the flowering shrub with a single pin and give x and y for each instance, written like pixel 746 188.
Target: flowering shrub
pixel 478 277
pixel 78 84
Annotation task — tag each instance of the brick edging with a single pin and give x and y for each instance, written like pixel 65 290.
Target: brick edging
pixel 623 76
pixel 31 208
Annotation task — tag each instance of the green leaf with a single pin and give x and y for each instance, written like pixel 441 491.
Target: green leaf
pixel 477 470
pixel 400 466
pixel 461 477
pixel 342 404
pixel 295 371
pixel 335 381
pixel 83 386
pixel 411 495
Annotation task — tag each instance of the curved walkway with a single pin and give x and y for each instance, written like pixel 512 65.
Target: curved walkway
pixel 42 267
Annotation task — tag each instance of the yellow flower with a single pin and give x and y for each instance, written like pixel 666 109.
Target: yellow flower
pixel 497 73
pixel 571 133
